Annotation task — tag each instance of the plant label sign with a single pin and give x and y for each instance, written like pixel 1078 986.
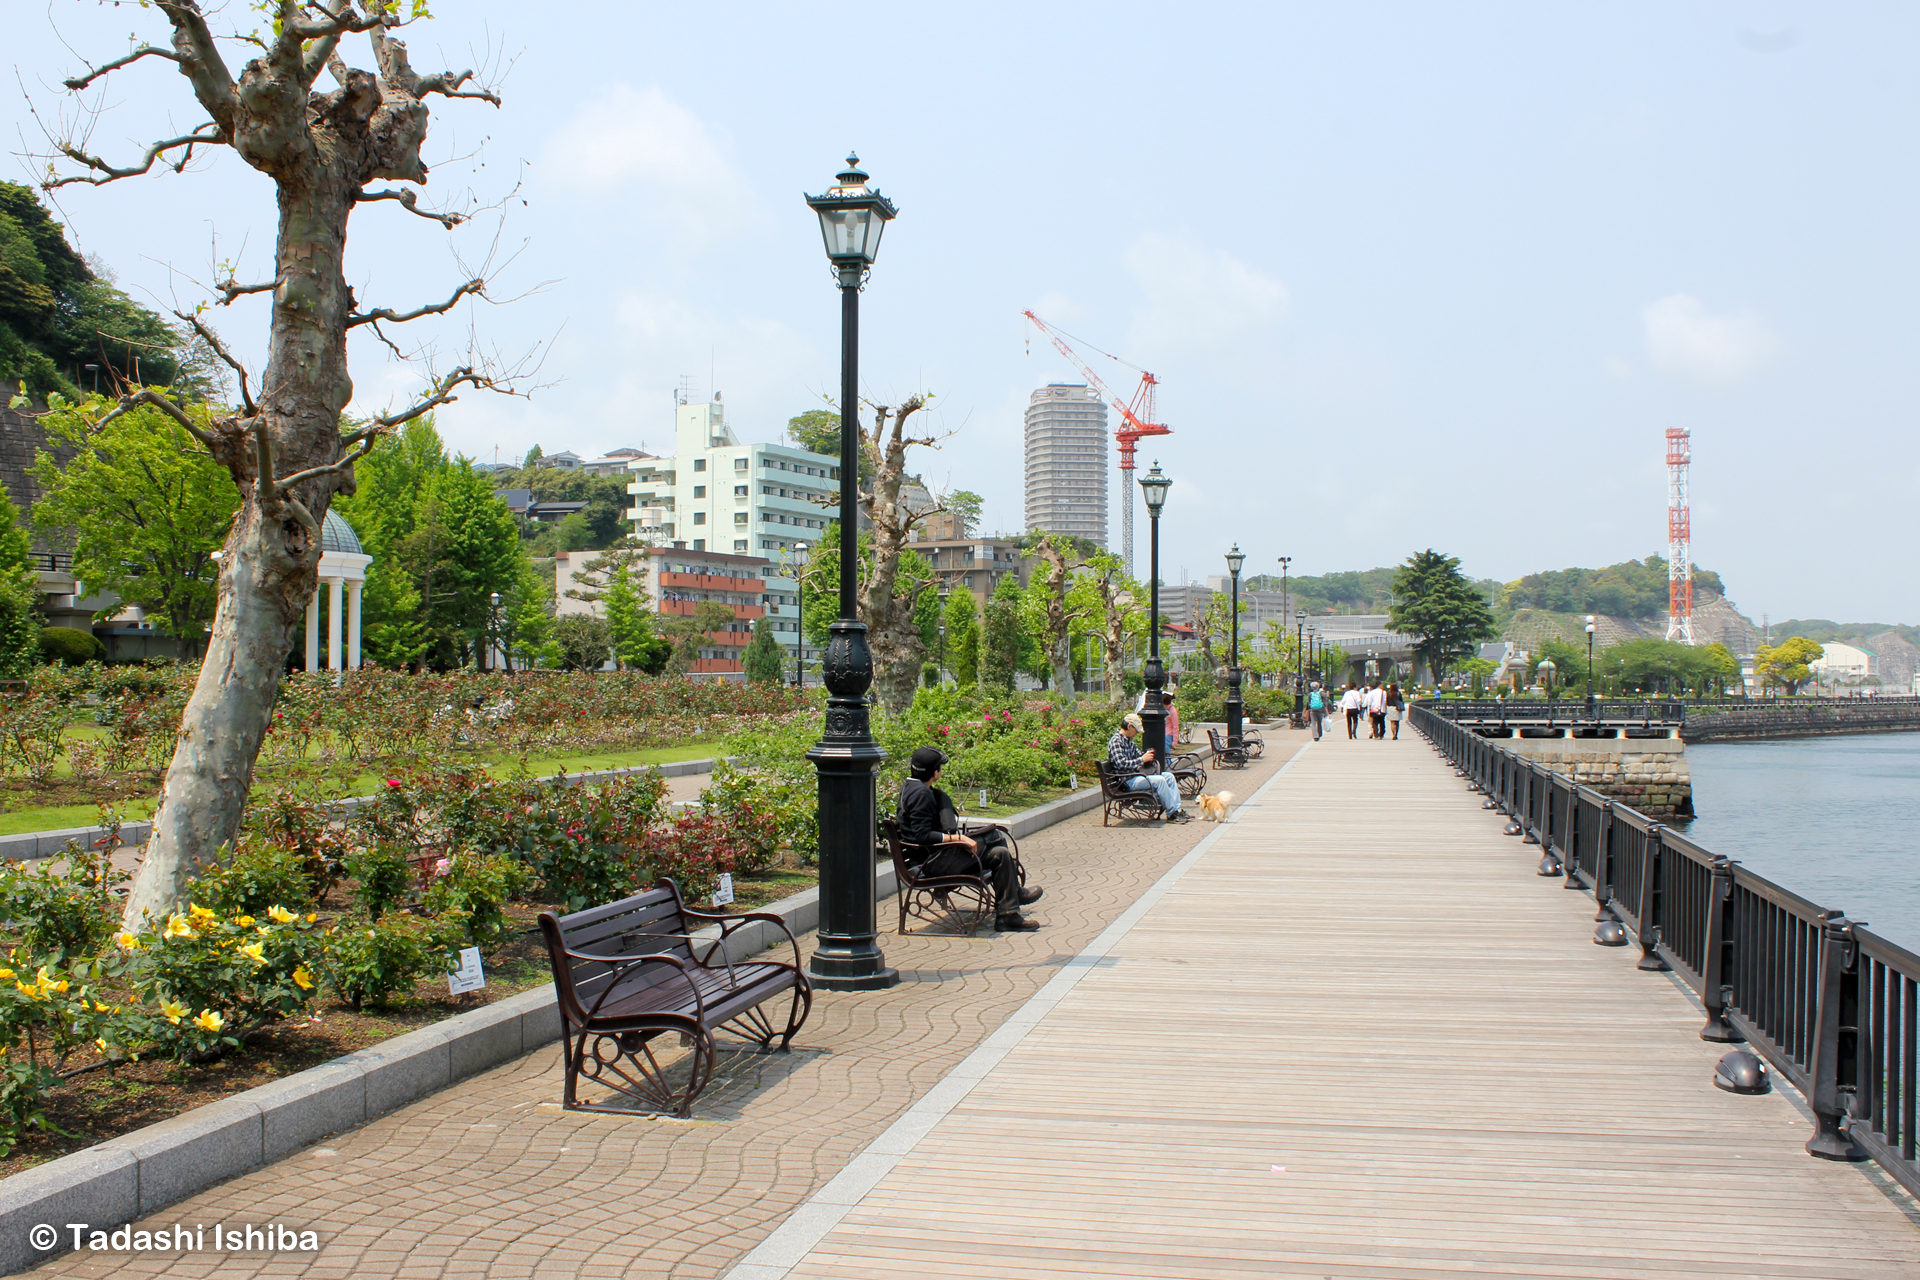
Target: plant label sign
pixel 723 892
pixel 470 976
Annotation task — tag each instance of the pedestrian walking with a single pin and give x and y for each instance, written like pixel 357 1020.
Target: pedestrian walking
pixel 1396 705
pixel 1317 709
pixel 1377 712
pixel 1351 702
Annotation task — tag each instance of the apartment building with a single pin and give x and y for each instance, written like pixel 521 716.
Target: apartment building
pixel 718 496
pixel 1066 461
pixel 976 564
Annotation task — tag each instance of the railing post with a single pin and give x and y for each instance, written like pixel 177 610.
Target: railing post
pixel 1603 867
pixel 1835 1065
pixel 1532 824
pixel 1715 992
pixel 1576 850
pixel 1650 900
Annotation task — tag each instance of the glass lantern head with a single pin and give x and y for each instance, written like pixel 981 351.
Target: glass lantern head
pixel 1155 486
pixel 1236 558
pixel 852 217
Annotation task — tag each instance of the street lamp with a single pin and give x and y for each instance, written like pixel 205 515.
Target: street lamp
pixel 1153 714
pixel 493 627
pixel 1299 672
pixel 800 607
pixel 847 955
pixel 1545 671
pixel 1589 666
pixel 1235 708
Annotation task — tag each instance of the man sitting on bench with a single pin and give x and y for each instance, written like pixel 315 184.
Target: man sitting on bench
pixel 928 819
pixel 1131 765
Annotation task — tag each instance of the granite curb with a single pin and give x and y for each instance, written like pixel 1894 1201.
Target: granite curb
pixel 29 845
pixel 128 1177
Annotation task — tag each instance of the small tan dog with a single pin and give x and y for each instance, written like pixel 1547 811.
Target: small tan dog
pixel 1214 808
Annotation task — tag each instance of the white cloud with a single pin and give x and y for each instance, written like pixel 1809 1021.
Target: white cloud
pixel 629 140
pixel 1686 341
pixel 1196 296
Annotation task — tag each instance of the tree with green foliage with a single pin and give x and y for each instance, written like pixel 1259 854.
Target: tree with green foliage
pixel 145 507
pixel 818 431
pixel 467 549
pixel 1650 666
pixel 1050 611
pixel 1116 606
pixel 1569 663
pixel 1435 603
pixel 386 509
pixel 966 507
pixel 1789 663
pixel 637 645
pixel 765 661
pixel 1000 633
pixel 524 621
pixel 963 637
pixel 583 641
pixel 687 630
pixel 20 629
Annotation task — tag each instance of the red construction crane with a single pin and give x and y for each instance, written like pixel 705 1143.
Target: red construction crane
pixel 1136 420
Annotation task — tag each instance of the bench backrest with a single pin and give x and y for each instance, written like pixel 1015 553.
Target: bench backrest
pixel 1109 783
pixel 1213 740
pixel 644 924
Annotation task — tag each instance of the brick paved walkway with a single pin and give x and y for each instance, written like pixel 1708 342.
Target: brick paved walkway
pixel 491 1179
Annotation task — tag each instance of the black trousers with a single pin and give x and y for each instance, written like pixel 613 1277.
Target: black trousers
pixel 994 860
pixel 1379 719
pixel 1353 723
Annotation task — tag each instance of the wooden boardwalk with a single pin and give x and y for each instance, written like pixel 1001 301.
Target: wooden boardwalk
pixel 1352 1034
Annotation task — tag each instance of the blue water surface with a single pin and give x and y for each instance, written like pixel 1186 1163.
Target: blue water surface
pixel 1836 820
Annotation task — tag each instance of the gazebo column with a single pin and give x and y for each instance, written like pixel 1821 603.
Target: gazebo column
pixel 333 624
pixel 313 631
pixel 353 623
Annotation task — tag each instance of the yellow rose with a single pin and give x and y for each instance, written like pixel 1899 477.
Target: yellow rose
pixel 5 974
pixel 102 1046
pixel 31 993
pixel 173 1010
pixel 50 984
pixel 252 952
pixel 303 979
pixel 243 921
pixel 209 1020
pixel 279 914
pixel 177 927
pixel 201 914
pixel 128 941
pixel 312 916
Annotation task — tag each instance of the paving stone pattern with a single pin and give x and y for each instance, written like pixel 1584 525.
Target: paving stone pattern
pixel 492 1179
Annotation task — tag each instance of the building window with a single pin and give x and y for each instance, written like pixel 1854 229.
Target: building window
pixel 699 544
pixel 739 464
pixel 699 517
pixel 699 464
pixel 699 491
pixel 740 491
pixel 739 517
pixel 739 544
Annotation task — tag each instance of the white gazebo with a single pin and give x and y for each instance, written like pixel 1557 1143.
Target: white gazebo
pixel 343 571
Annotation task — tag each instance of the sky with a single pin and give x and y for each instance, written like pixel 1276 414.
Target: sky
pixel 1410 275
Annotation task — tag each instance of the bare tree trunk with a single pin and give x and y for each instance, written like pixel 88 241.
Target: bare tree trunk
pixel 287 453
pixel 893 633
pixel 1053 552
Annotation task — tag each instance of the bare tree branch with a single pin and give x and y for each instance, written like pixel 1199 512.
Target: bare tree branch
pixel 129 403
pixel 442 392
pixel 432 309
pixel 368 440
pixel 229 290
pixel 219 349
pixel 200 60
pixel 447 85
pixel 409 200
pixel 144 51
pixel 108 173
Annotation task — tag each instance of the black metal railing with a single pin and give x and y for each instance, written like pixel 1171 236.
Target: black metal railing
pixel 51 561
pixel 1565 711
pixel 1832 1006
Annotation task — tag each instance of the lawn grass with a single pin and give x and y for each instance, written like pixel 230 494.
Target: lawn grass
pixel 58 817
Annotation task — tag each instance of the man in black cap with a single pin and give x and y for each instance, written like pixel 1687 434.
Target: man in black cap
pixel 927 819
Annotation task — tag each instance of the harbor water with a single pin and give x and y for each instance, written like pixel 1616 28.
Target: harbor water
pixel 1834 819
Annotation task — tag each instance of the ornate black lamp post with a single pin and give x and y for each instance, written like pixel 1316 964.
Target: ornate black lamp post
pixel 800 605
pixel 493 631
pixel 1589 666
pixel 847 956
pixel 1153 716
pixel 1235 708
pixel 1299 672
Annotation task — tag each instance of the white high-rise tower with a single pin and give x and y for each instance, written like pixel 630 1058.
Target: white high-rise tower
pixel 1067 462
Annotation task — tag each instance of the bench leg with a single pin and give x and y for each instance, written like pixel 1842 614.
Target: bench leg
pixel 624 1063
pixel 756 1026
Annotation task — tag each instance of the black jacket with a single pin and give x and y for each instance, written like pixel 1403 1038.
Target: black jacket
pixel 926 813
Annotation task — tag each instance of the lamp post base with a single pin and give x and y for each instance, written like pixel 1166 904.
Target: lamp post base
pixel 850 971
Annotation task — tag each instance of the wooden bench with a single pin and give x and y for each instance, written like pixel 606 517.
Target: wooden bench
pixel 1118 801
pixel 632 970
pixel 1224 754
pixel 964 901
pixel 1253 742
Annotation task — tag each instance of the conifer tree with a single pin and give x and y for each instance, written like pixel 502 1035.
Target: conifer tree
pixel 765 662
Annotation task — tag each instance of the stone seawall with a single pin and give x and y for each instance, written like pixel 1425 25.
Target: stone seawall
pixel 1648 774
pixel 1801 720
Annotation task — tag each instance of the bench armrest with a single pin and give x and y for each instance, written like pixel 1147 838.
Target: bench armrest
pixel 620 963
pixel 728 923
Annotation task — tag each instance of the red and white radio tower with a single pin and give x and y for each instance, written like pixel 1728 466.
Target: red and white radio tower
pixel 1679 537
